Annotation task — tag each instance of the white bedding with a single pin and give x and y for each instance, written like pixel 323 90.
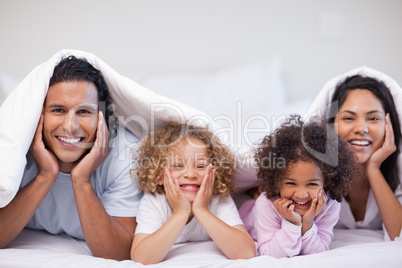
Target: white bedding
pixel 349 248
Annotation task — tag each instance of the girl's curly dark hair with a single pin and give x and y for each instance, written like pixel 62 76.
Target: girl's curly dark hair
pixel 155 151
pixel 296 141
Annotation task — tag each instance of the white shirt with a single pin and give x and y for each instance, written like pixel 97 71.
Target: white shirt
pixel 372 218
pixel 155 211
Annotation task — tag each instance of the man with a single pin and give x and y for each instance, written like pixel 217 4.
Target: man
pixel 76 181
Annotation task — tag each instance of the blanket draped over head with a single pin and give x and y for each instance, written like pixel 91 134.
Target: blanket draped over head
pixel 140 109
pixel 321 104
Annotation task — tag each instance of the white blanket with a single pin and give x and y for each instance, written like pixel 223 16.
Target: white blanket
pixel 137 108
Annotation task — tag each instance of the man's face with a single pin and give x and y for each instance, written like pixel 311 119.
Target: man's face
pixel 70 120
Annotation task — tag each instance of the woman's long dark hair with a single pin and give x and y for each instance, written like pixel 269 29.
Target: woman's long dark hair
pixel 389 167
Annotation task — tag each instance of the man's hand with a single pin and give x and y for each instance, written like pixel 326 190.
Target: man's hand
pixel 84 168
pixel 45 160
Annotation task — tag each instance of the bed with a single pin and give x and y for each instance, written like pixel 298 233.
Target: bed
pixel 349 248
pixel 246 101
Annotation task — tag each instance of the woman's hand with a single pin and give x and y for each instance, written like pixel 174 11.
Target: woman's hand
pixel 84 168
pixel 206 191
pixel 388 205
pixel 46 161
pixel 285 208
pixel 387 148
pixel 177 200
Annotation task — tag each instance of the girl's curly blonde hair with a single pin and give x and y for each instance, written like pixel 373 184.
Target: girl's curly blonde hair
pixel 155 151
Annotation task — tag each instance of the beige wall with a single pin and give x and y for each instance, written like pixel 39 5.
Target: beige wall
pixel 316 39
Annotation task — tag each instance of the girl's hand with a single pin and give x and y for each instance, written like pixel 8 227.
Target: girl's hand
pixel 204 195
pixel 285 208
pixel 45 160
pixel 387 148
pixel 316 207
pixel 176 199
pixel 84 168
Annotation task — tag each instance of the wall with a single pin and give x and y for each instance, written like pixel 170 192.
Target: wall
pixel 316 39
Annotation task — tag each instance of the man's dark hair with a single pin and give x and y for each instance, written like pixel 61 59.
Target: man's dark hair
pixel 73 69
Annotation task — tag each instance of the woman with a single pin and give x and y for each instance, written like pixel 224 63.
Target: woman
pixel 361 104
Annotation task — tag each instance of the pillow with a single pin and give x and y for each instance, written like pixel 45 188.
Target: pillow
pixel 7 84
pixel 258 124
pixel 245 88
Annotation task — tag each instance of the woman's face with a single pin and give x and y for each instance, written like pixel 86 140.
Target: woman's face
pixel 360 122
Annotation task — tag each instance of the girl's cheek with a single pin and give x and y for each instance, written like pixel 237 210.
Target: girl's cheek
pixel 174 173
pixel 318 191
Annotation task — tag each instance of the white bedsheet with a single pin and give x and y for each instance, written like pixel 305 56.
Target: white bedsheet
pixel 349 248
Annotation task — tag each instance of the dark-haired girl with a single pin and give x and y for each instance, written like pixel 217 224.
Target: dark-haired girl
pixel 297 209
